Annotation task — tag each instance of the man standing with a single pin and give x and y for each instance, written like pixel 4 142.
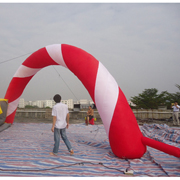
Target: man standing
pixel 175 113
pixel 60 114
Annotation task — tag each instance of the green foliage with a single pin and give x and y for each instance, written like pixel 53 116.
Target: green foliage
pixel 47 107
pixel 31 107
pixel 175 96
pixel 150 99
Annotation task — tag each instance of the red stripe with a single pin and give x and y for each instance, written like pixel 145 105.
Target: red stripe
pixel 83 65
pixel 39 59
pixel 124 133
pixel 162 146
pixel 16 88
pixel 10 118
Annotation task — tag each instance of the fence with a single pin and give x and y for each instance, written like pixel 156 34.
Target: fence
pixel 152 114
pixel 46 113
pixel 139 113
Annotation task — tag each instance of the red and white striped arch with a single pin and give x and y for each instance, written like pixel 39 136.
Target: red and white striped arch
pixel 118 119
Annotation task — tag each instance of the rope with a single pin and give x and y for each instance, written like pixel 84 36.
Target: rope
pixel 65 83
pixel 53 67
pixel 46 169
pixel 14 58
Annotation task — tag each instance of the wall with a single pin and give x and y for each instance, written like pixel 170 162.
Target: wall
pixel 46 113
pixel 139 113
pixel 152 114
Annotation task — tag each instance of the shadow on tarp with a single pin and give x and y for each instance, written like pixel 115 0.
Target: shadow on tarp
pixel 3 114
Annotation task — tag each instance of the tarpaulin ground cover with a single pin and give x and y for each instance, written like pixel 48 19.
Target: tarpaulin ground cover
pixel 25 147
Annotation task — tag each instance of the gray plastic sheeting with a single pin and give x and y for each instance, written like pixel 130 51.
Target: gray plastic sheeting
pixel 4 126
pixel 3 106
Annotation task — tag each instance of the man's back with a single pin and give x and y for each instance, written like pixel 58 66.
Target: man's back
pixel 60 110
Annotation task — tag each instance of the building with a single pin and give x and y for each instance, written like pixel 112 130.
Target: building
pixel 91 102
pixel 131 103
pixel 28 103
pixel 83 101
pixel 69 103
pixel 49 103
pixel 34 103
pixel 40 103
pixel 83 104
pixel 21 103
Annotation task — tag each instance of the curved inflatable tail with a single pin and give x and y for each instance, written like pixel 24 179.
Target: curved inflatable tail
pixel 161 146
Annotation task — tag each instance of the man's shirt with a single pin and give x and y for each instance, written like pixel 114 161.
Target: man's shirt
pixel 60 110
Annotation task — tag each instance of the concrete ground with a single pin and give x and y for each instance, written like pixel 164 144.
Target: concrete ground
pixel 169 122
pixel 25 147
pixel 37 120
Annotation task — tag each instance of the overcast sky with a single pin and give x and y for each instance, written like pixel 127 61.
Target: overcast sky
pixel 139 44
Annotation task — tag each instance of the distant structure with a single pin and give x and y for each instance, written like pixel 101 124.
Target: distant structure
pixel 131 103
pixel 76 106
pixel 49 103
pixel 82 103
pixel 21 103
pixel 69 103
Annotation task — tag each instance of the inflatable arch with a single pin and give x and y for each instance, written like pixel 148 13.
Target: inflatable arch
pixel 125 137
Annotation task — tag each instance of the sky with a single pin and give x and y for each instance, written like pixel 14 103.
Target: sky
pixel 138 43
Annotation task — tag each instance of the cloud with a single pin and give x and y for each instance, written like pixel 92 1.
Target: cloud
pixel 138 43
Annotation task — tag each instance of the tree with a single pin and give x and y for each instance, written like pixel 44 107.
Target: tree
pixel 176 96
pixel 165 99
pixel 28 106
pixel 178 86
pixel 149 99
pixel 31 107
pixel 47 107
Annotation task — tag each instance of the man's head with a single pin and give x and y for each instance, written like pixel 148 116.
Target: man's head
pixel 175 103
pixel 57 98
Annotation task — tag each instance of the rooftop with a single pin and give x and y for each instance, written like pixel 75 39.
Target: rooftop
pixel 25 151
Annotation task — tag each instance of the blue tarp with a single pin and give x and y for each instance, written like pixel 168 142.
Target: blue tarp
pixel 25 147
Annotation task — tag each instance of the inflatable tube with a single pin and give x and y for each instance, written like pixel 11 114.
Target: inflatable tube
pixel 119 121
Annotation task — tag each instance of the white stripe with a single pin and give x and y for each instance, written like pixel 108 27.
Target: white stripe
pixel 55 53
pixel 25 71
pixel 106 95
pixel 12 106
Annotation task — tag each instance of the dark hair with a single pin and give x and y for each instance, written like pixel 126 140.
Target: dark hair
pixel 176 102
pixel 57 98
